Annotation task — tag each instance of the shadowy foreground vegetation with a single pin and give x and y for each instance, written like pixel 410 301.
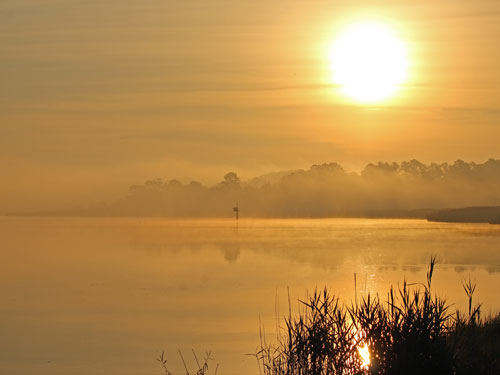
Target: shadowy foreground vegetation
pixel 412 332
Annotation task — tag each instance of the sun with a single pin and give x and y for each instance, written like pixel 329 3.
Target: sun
pixel 369 63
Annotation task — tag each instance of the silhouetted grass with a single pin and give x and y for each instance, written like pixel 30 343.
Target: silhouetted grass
pixel 202 368
pixel 412 332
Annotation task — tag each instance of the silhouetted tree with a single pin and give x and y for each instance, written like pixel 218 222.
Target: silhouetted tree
pixel 231 179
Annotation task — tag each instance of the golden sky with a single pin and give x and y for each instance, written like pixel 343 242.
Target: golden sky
pixel 98 95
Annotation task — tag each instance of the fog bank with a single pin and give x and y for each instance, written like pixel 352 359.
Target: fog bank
pixel 382 189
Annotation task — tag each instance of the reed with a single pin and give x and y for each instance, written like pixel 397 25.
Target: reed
pixel 412 332
pixel 201 368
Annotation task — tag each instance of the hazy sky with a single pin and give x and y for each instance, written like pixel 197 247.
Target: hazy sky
pixel 96 95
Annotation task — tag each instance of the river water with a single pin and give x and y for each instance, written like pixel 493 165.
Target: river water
pixel 107 296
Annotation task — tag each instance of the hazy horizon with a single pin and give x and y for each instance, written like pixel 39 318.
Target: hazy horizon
pixel 97 96
pixel 409 189
pixel 81 197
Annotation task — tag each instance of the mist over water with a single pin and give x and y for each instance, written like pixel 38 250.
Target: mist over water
pixel 106 296
pixel 326 190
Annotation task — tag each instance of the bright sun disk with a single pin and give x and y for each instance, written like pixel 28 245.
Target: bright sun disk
pixel 368 62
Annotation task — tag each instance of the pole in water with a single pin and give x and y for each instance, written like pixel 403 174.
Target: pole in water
pixel 236 211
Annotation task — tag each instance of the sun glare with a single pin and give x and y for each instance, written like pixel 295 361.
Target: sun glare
pixel 364 353
pixel 368 62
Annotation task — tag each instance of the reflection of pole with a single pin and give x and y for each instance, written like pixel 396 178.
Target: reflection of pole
pixel 236 211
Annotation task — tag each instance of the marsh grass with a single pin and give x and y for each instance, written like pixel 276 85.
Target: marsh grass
pixel 202 368
pixel 411 332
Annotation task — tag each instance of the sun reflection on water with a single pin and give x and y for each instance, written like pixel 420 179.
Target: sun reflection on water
pixel 365 356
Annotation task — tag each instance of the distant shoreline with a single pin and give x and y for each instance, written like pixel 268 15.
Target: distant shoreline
pixel 479 214
pixel 378 214
pixel 487 214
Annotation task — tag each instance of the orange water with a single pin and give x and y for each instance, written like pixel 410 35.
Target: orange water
pixel 106 296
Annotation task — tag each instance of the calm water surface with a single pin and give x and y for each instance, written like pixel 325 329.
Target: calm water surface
pixel 106 296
